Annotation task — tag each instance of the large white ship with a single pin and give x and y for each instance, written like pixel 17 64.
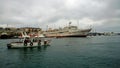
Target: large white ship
pixel 69 31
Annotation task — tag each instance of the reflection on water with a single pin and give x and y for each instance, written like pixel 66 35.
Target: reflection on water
pixel 40 48
pixel 77 41
pixel 37 49
pixel 31 55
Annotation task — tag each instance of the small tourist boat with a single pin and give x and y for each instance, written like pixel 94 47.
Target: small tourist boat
pixel 29 42
pixel 14 45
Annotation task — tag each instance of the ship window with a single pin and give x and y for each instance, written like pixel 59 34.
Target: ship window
pixel 60 32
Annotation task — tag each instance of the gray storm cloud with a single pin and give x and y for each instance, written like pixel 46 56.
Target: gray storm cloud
pixel 102 14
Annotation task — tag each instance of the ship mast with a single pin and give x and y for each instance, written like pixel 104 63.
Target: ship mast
pixel 77 23
pixel 69 24
pixel 47 28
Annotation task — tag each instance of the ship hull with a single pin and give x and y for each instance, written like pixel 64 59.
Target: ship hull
pixel 19 45
pixel 66 35
pixel 72 36
pixel 76 36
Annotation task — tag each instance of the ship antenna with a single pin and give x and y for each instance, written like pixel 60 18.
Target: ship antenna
pixel 78 23
pixel 46 27
pixel 70 23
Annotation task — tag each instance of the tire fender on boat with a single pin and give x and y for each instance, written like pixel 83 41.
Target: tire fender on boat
pixel 31 43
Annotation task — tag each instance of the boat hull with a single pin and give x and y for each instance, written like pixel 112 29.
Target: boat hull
pixel 21 45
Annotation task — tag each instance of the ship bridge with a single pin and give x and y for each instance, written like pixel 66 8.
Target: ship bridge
pixel 71 27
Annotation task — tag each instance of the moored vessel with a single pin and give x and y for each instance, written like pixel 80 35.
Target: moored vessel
pixel 29 42
pixel 68 31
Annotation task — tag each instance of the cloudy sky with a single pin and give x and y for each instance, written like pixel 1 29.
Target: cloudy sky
pixel 101 15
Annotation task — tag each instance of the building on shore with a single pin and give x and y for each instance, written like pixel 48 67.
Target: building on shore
pixel 29 29
pixel 10 32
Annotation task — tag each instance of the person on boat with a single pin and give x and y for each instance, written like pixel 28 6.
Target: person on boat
pixel 45 42
pixel 39 42
pixel 31 43
pixel 33 40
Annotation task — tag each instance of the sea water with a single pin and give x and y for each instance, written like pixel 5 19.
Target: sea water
pixel 89 52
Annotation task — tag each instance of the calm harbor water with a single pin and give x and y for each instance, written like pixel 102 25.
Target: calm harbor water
pixel 90 52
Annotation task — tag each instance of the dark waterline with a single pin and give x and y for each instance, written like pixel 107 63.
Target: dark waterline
pixel 90 52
